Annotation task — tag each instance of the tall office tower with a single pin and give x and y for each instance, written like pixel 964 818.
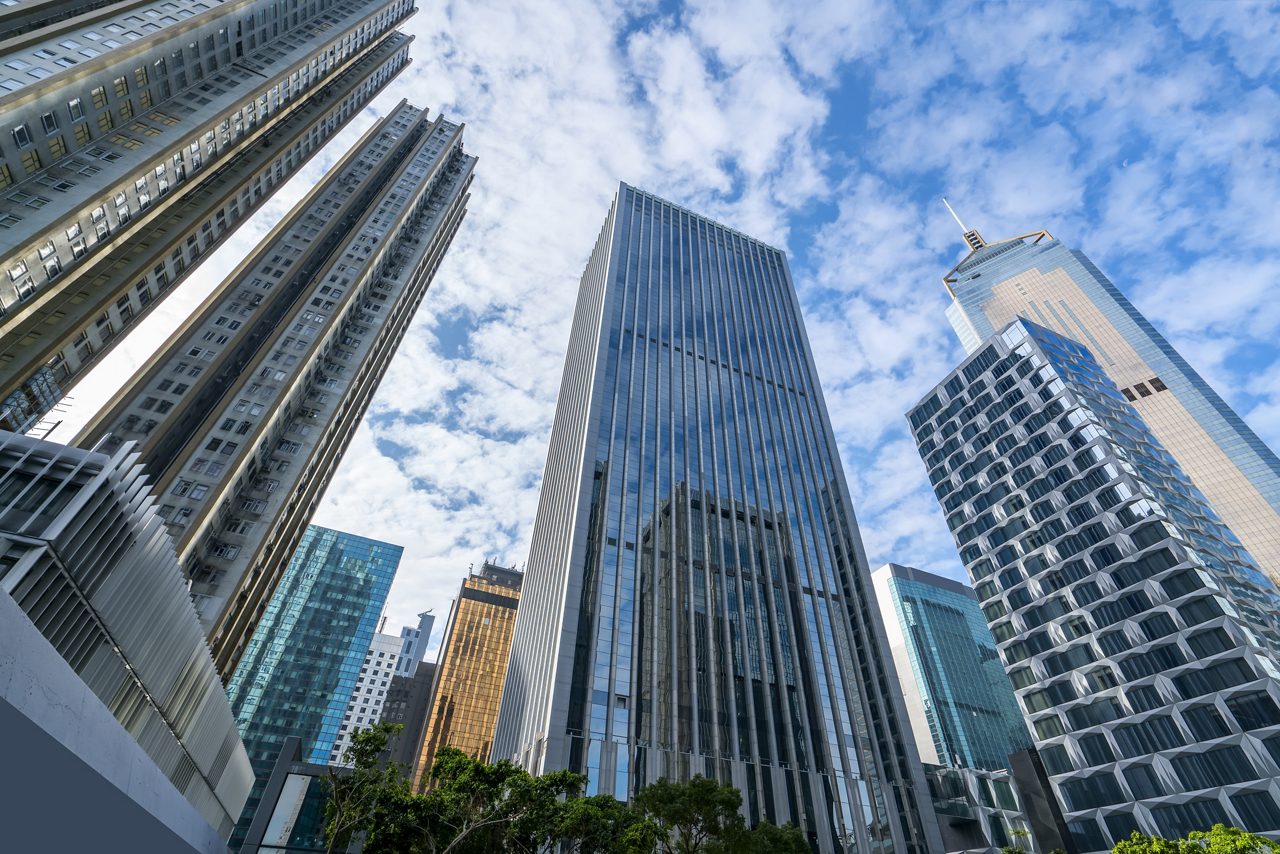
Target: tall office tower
pixel 1139 636
pixel 959 700
pixel 136 136
pixel 697 600
pixel 301 666
pixel 471 665
pixel 407 703
pixel 85 556
pixel 243 417
pixel 364 708
pixel 1037 278
pixel 414 641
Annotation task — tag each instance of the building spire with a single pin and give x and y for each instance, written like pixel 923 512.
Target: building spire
pixel 971 235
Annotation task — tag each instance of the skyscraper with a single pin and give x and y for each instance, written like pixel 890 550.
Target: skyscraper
pixel 301 666
pixel 1139 636
pixel 1038 278
pixel 85 556
pixel 471 665
pixel 414 640
pixel 364 708
pixel 243 417
pixel 137 136
pixel 697 600
pixel 408 701
pixel 959 700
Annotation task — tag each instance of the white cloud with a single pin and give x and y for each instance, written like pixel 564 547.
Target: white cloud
pixel 829 128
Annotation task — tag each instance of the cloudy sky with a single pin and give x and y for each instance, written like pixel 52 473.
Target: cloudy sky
pixel 1144 134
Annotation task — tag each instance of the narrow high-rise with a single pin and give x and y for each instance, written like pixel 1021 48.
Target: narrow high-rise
pixel 1140 638
pixel 304 661
pixel 137 137
pixel 471 666
pixel 958 698
pixel 1038 278
pixel 697 600
pixel 242 418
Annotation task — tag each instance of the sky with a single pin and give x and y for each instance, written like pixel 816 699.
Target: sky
pixel 1147 135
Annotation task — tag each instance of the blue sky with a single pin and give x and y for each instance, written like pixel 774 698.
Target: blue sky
pixel 1145 134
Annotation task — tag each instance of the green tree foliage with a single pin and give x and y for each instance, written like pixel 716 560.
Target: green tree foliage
pixel 475 807
pixel 1218 840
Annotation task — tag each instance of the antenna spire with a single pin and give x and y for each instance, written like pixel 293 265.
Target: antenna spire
pixel 971 235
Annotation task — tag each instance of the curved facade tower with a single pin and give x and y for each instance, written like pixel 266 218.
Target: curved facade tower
pixel 696 599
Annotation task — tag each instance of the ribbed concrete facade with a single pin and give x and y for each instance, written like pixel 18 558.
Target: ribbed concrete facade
pixel 1040 279
pixel 697 600
pixel 85 555
pixel 244 416
pixel 1139 636
pixel 138 136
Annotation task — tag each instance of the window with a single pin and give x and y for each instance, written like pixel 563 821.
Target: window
pixel 1205 722
pixel 49 122
pixel 1214 768
pixel 182 487
pixel 1257 810
pixel 21 136
pixel 1254 710
pixel 199 491
pixel 76 109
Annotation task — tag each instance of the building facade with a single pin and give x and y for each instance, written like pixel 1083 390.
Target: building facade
pixel 413 645
pixel 243 417
pixel 471 666
pixel 1138 634
pixel 136 137
pixel 408 701
pixel 364 709
pixel 697 600
pixel 85 555
pixel 301 666
pixel 979 811
pixel 1038 278
pixel 959 700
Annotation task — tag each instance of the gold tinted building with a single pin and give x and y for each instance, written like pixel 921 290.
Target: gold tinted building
pixel 471 666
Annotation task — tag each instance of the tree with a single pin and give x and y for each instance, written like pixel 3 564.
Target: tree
pixel 354 794
pixel 1220 839
pixel 475 807
pixel 702 816
pixel 690 815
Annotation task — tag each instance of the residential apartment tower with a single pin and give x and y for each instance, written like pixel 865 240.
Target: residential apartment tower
pixel 137 136
pixel 243 417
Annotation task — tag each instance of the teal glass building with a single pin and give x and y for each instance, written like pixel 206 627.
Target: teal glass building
pixel 300 667
pixel 958 698
pixel 696 599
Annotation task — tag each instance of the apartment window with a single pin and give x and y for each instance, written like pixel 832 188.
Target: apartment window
pixel 75 108
pixel 121 85
pixel 199 491
pixel 50 123
pixel 1158 384
pixel 21 136
pixel 182 487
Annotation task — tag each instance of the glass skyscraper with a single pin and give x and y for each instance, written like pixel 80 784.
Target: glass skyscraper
pixel 696 599
pixel 1038 278
pixel 958 698
pixel 301 665
pixel 1140 638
